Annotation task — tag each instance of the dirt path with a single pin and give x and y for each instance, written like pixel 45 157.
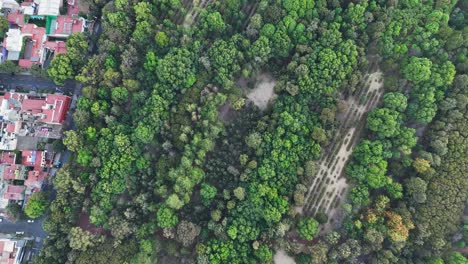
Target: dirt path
pixel 263 91
pixel 329 187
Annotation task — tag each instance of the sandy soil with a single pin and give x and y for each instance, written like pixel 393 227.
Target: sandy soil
pixel 282 258
pixel 329 177
pixel 263 91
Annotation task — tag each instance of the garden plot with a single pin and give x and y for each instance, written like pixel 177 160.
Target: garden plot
pixel 329 187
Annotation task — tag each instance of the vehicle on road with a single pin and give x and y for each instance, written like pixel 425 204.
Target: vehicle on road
pixel 1 220
pixel 30 221
pixel 20 233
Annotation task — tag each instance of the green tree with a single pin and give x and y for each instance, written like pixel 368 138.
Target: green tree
pixel 81 239
pixel 421 165
pixel 417 69
pixel 37 205
pixel 395 101
pixel 166 218
pixel 384 122
pixel 307 228
pixel 207 193
pixel 3 26
pixel 61 69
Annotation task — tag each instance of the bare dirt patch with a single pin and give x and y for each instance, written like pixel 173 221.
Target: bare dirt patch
pixel 263 91
pixel 282 258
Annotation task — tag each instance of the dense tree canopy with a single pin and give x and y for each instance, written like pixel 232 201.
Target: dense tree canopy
pixel 175 160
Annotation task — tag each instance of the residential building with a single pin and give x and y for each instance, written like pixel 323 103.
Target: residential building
pixel 11 250
pixel 30 44
pixel 19 181
pixel 29 115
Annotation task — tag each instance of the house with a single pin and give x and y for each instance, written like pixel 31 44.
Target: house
pixel 14 192
pixel 15 19
pixel 31 171
pixel 14 172
pixel 8 157
pixel 12 44
pixel 33 158
pixel 64 26
pixel 29 44
pixel 29 115
pixel 11 250
pixel 35 37
pixel 54 47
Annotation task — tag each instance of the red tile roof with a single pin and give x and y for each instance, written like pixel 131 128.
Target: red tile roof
pixel 32 105
pixel 35 178
pixel 37 35
pixel 68 25
pixel 8 158
pixel 23 63
pixel 14 192
pixel 73 7
pixel 32 158
pixel 10 128
pixel 60 105
pixel 16 18
pixel 58 47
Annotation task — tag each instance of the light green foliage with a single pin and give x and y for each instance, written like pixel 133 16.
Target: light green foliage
pixel 162 40
pixel 385 122
pixel 174 202
pixel 307 228
pixel 72 140
pixel 417 69
pixel 176 69
pixel 207 192
pixel 37 205
pixel 395 101
pixel 239 193
pixel 166 218
pixel 300 7
pixel 212 23
pixel 61 69
pixel 120 95
pixel 369 166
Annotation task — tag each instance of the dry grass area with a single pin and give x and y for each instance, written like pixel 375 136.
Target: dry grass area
pixel 329 187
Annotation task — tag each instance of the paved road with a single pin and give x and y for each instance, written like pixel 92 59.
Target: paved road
pixel 29 229
pixel 29 82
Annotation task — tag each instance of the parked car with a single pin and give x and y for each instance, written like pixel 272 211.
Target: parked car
pixel 1 220
pixel 20 233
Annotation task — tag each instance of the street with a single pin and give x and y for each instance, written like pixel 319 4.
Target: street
pixel 31 83
pixel 29 229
